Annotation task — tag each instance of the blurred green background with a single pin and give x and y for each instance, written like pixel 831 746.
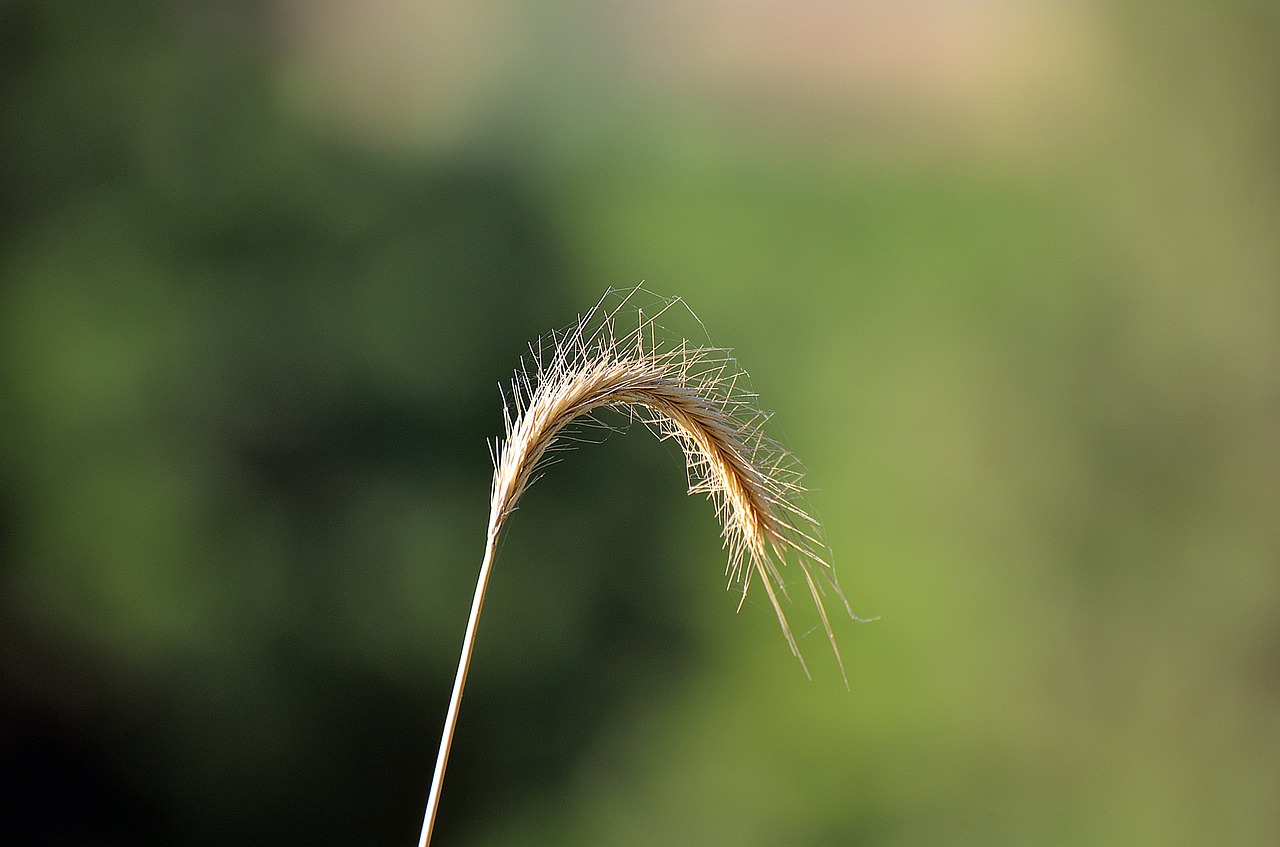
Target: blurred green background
pixel 1008 273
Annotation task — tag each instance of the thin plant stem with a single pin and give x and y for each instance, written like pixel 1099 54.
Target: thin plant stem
pixel 459 681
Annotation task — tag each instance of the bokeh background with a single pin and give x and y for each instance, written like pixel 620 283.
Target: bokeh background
pixel 1008 272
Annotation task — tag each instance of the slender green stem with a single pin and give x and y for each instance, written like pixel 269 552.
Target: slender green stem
pixel 459 680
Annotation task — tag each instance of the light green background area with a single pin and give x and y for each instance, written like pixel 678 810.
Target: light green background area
pixel 1025 338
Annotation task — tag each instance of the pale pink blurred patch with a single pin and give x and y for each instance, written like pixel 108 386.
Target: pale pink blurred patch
pixel 949 71
pixel 985 68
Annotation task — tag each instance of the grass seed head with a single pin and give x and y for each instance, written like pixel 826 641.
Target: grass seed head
pixel 695 395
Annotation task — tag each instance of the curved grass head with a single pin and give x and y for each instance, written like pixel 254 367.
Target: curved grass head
pixel 616 357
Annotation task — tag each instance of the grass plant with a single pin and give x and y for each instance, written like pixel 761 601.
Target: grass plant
pixel 695 395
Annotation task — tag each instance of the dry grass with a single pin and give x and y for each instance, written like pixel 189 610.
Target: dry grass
pixel 694 395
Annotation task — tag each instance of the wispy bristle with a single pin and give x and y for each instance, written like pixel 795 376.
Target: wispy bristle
pixel 694 395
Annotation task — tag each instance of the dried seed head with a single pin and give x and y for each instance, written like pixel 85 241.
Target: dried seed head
pixel 695 395
pixel 692 394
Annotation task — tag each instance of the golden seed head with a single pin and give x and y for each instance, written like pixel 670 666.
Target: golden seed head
pixel 695 395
